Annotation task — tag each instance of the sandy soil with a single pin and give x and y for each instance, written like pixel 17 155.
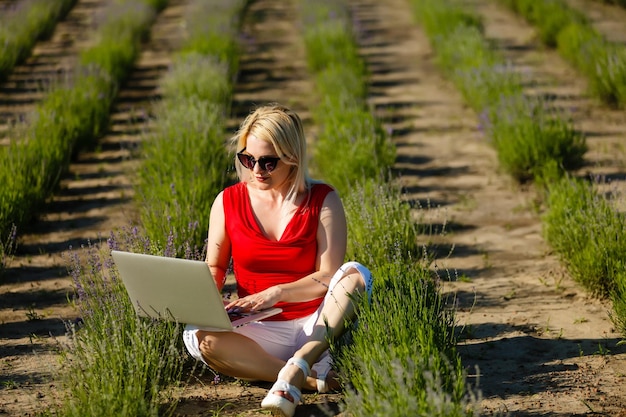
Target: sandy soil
pixel 532 340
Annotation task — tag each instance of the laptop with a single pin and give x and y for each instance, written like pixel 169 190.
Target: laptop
pixel 180 290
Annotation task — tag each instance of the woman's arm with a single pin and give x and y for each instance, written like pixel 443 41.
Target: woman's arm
pixel 331 251
pixel 218 243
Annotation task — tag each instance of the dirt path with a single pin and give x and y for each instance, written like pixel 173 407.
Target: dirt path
pixel 532 340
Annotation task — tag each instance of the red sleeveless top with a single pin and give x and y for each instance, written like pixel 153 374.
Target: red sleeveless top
pixel 260 262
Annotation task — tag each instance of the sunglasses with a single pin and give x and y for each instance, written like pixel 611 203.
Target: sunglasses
pixel 266 163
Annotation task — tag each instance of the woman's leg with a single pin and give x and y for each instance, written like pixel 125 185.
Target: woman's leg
pixel 270 344
pixel 337 309
pixel 238 356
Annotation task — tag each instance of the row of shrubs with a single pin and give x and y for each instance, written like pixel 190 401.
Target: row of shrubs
pixel 73 114
pixel 402 357
pixel 183 164
pixel 22 24
pixel 534 142
pixel 559 26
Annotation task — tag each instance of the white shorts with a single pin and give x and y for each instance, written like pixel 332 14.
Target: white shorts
pixel 281 338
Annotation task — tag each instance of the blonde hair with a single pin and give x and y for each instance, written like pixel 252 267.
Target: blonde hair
pixel 281 127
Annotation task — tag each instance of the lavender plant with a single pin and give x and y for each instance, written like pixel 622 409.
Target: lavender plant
pixel 347 128
pixel 550 17
pixel 117 363
pixel 586 230
pixel 403 359
pixel 562 27
pixel 529 135
pixel 380 224
pixel 183 167
pixel 618 297
pixel 602 62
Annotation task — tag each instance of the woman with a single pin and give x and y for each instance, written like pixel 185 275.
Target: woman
pixel 286 235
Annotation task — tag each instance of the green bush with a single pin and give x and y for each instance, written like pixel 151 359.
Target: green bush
pixel 402 360
pixel 183 167
pixel 550 17
pixel 441 18
pixel 380 224
pixel 116 363
pixel 471 63
pixel 347 129
pixel 601 61
pixel 587 232
pixel 529 135
pixel 618 296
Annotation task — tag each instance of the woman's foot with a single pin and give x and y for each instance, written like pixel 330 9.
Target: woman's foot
pixel 285 394
pixel 329 384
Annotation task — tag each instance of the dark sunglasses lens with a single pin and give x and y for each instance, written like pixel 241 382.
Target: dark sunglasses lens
pixel 246 160
pixel 268 164
pixel 265 162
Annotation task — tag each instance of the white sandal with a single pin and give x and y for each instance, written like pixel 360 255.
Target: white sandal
pixel 278 404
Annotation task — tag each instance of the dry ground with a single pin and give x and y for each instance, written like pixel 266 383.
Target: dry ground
pixel 531 339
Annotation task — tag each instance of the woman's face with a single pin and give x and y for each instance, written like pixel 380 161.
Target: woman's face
pixel 259 176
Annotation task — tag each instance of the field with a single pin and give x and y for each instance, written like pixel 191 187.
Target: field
pixel 532 339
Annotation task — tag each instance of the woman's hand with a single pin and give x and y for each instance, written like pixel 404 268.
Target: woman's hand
pixel 259 301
